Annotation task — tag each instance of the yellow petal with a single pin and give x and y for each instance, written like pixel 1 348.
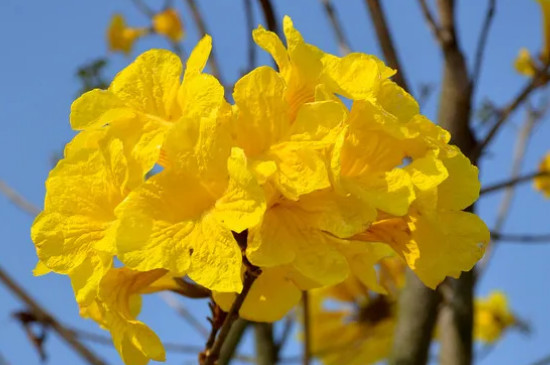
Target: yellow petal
pixel 97 108
pixel 243 204
pixel 427 172
pixel 318 121
pixel 262 117
pixel 150 83
pixel 443 245
pixel 397 101
pixel 461 188
pixel 271 297
pixel 270 42
pixel 198 57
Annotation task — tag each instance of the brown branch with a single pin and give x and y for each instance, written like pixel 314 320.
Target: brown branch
pixel 482 42
pixel 141 6
pixel 269 15
pixel 201 26
pixel 540 79
pixel 18 199
pixel 520 238
pixel 249 15
pixel 343 43
pixel 512 182
pixel 386 42
pixel 46 318
pixel 191 290
pixel 212 351
pixel 307 329
pixel 428 16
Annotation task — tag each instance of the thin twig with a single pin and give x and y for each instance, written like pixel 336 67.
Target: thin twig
pixel 175 304
pixel 513 182
pixel 482 42
pixel 540 79
pixel 210 355
pixel 307 329
pixel 201 26
pixel 343 43
pixel 269 15
pixel 386 42
pixel 249 15
pixel 521 238
pixel 18 199
pixel 46 318
pixel 146 10
pixel 432 24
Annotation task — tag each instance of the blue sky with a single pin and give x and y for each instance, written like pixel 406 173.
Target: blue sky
pixel 44 42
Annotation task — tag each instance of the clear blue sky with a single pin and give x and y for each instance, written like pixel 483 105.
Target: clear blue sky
pixel 43 43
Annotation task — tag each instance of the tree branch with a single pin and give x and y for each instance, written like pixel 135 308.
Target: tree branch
pixel 46 318
pixel 269 15
pixel 232 341
pixel 482 42
pixel 540 79
pixel 386 42
pixel 184 313
pixel 249 15
pixel 512 182
pixel 306 360
pixel 18 199
pixel 343 43
pixel 520 238
pixel 432 24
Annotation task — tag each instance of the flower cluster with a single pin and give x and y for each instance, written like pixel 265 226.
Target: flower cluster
pixel 121 37
pixel 326 165
pixel 351 324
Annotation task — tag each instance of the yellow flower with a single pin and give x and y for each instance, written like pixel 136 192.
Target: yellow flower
pixel 492 317
pixel 75 234
pixel 182 218
pixel 350 324
pixel 524 64
pixel 121 37
pixel 117 307
pixel 542 183
pixel 169 24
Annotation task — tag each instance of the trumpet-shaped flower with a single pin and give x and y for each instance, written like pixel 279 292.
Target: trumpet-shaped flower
pixel 168 23
pixel 75 234
pixel 116 309
pixel 182 219
pixel 492 317
pixel 120 37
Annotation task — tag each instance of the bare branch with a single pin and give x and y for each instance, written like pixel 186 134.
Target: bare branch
pixel 175 304
pixel 386 41
pixel 211 354
pixel 146 10
pixel 18 199
pixel 249 15
pixel 343 43
pixel 307 329
pixel 432 24
pixel 269 15
pixel 482 42
pixel 520 238
pixel 44 317
pixel 512 182
pixel 201 26
pixel 540 79
pixel 287 329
